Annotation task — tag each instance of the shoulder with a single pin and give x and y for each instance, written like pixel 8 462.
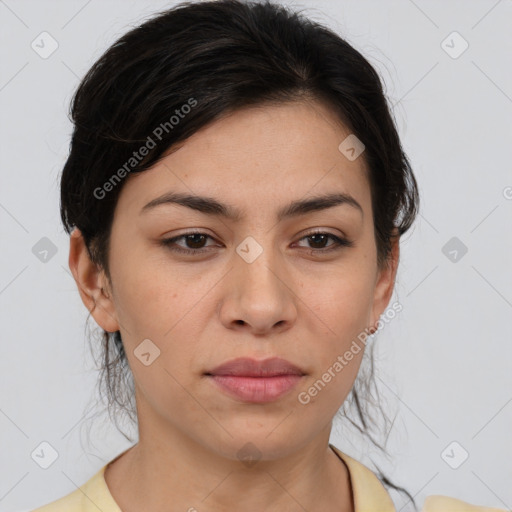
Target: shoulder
pixel 437 503
pixel 72 502
pixel 370 494
pixel 89 497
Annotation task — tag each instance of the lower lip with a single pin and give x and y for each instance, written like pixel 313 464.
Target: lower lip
pixel 256 389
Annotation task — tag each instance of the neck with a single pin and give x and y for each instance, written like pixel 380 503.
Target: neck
pixel 173 468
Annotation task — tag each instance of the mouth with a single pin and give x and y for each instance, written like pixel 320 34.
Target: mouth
pixel 253 381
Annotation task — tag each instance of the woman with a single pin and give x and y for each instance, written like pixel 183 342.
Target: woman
pixel 235 193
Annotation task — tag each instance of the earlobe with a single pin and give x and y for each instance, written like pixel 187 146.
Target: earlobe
pixel 92 284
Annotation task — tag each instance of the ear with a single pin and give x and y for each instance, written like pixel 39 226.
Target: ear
pixel 92 284
pixel 385 283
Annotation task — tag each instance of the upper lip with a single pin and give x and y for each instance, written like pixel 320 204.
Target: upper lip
pixel 247 367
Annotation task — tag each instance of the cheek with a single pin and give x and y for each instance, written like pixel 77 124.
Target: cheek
pixel 343 302
pixel 342 308
pixel 342 314
pixel 151 307
pixel 160 303
pixel 150 298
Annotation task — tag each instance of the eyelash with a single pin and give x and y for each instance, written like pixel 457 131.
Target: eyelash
pixel 339 243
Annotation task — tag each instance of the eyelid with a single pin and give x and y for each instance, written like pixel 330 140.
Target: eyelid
pixel 340 241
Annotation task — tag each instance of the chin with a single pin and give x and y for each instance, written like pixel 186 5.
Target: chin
pixel 250 447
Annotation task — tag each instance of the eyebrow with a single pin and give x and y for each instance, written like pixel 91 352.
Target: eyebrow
pixel 211 206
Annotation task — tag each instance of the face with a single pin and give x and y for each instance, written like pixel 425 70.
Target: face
pixel 259 285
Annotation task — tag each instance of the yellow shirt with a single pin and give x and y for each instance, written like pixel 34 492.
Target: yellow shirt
pixel 369 495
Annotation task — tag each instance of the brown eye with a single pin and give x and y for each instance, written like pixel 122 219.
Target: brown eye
pixel 194 243
pixel 319 238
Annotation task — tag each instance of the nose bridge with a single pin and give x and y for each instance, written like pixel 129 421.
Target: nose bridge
pixel 257 264
pixel 258 294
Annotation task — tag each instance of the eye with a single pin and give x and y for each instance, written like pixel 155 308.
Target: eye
pixel 194 238
pixel 320 237
pixel 197 239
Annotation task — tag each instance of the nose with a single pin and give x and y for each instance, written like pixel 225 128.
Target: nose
pixel 258 297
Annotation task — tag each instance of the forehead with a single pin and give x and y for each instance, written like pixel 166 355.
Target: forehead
pixel 257 158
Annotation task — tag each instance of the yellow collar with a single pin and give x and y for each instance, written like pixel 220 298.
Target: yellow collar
pixel 368 491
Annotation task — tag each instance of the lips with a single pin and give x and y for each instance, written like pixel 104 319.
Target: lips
pixel 249 380
pixel 246 367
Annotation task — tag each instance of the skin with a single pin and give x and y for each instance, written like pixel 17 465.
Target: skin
pixel 203 310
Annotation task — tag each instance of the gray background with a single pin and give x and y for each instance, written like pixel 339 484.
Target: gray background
pixel 443 362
